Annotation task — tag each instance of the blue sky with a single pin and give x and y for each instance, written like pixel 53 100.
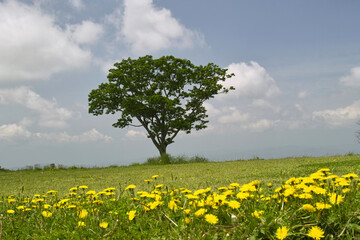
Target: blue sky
pixel 296 65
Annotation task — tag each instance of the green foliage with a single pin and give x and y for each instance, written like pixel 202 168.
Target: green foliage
pixel 168 159
pixel 165 96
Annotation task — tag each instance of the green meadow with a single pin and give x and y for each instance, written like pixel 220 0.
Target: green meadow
pixel 290 198
pixel 192 175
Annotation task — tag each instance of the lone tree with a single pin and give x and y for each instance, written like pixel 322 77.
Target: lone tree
pixel 164 95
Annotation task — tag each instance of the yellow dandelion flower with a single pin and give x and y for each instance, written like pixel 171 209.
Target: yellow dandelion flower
pixel 110 189
pixel 47 206
pixel 172 205
pixel 10 211
pixel 222 189
pixel 46 214
pixel 199 192
pixel 309 208
pixel 191 196
pixel 200 203
pixel 350 176
pixel 148 180
pixel 81 224
pixel 185 191
pixel 316 233
pixel 131 214
pixel 288 192
pixel 199 213
pixel 321 206
pixel 159 186
pixel 187 211
pixel 91 192
pixel 319 190
pixel 83 187
pixel 242 195
pixel 282 233
pixel 187 220
pixel 234 204
pixel 305 196
pixel 73 189
pixel 155 176
pixel 345 190
pixel 130 187
pixel 257 214
pixel 336 199
pixel 104 225
pixel 83 213
pixel 212 219
pixel 154 205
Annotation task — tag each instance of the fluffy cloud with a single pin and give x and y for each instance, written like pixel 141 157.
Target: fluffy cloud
pixel 90 136
pixel 261 125
pixel 303 94
pixel 32 46
pixel 76 3
pixel 339 116
pixel 50 114
pixel 10 131
pixel 211 111
pixel 85 33
pixel 353 79
pixel 250 80
pixel 232 115
pixel 261 103
pixel 150 29
pixel 135 134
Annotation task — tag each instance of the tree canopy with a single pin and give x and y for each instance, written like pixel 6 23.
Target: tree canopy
pixel 164 95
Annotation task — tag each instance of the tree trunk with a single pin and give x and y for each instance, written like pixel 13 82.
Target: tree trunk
pixel 162 150
pixel 164 158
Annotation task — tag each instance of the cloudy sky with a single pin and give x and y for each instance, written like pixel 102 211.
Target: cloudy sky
pixel 296 65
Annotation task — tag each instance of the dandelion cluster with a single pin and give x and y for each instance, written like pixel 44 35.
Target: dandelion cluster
pixel 321 205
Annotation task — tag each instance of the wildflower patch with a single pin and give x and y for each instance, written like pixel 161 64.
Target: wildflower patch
pixel 319 206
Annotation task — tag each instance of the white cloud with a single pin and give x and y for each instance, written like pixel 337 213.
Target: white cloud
pixel 135 134
pixel 353 79
pixel 32 46
pixel 90 136
pixel 303 94
pixel 149 29
pixel 261 103
pixel 250 80
pixel 340 116
pixel 77 3
pixel 10 131
pixel 85 33
pixel 211 111
pixel 261 125
pixel 233 116
pixel 50 115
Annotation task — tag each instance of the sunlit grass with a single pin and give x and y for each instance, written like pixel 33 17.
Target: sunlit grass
pixel 256 199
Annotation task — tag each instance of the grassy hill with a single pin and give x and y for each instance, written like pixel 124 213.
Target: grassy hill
pixel 292 198
pixel 191 175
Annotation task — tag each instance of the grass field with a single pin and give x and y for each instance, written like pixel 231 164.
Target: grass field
pixel 21 186
pixel 192 176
